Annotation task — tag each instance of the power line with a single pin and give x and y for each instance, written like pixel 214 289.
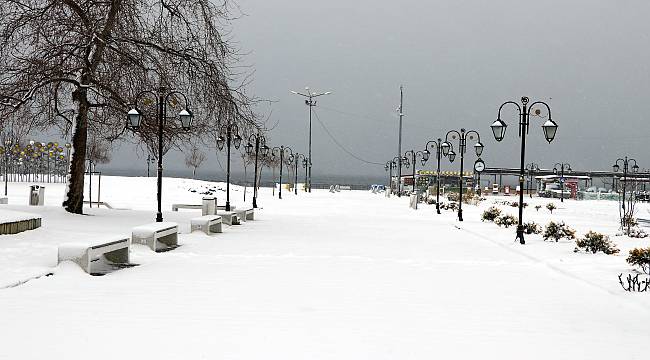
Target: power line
pixel 341 146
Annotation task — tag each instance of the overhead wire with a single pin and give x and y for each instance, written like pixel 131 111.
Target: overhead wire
pixel 341 146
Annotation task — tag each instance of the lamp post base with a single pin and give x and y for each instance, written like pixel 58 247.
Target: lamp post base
pixel 460 215
pixel 227 205
pixel 159 217
pixel 254 203
pixel 520 234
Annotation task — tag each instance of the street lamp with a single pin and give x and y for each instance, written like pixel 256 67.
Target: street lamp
pixel 260 145
pixel 134 120
pixel 305 165
pixel 626 168
pixel 309 101
pixel 447 147
pixel 412 155
pixel 531 169
pixel 562 167
pixel 437 144
pixel 499 129
pixel 389 167
pixel 282 151
pixel 296 159
pixel 229 136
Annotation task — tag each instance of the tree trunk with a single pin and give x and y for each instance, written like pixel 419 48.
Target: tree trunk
pixel 194 173
pixel 74 200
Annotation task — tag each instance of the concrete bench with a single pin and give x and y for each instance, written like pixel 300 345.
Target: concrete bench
pixel 114 251
pixel 244 214
pixel 159 236
pixel 209 224
pixel 229 217
pixel 175 207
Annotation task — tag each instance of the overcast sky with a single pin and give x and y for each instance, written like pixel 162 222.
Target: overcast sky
pixel 458 61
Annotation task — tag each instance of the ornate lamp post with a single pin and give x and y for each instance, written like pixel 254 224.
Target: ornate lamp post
pixel 134 120
pixel 562 168
pixel 499 129
pixel 427 153
pixel 260 145
pixel 283 152
pixel 626 168
pixel 412 156
pixel 447 150
pixel 305 165
pixel 229 136
pixel 531 169
pixel 296 159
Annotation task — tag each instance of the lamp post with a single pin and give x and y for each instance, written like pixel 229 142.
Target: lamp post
pixel 447 150
pixel 134 120
pixel 412 156
pixel 251 149
pixel 389 168
pixel 635 168
pixel 296 159
pixel 499 129
pixel 229 136
pixel 281 151
pixel 562 167
pixel 309 101
pixel 305 165
pixel 531 169
pixel 427 153
pixel 150 160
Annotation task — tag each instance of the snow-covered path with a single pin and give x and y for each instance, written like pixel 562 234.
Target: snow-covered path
pixel 328 276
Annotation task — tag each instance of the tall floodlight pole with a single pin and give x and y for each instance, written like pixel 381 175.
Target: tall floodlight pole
pixel 399 141
pixel 309 101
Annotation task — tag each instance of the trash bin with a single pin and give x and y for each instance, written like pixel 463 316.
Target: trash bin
pixel 36 195
pixel 413 201
pixel 209 205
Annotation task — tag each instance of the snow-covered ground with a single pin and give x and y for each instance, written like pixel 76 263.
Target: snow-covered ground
pixel 349 275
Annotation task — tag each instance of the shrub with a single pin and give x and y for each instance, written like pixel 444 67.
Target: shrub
pixel 491 214
pixel 505 220
pixel 452 196
pixel 641 258
pixel 532 228
pixel 557 231
pixel 537 207
pixel 516 204
pixel 638 233
pixel 629 221
pixel 551 207
pixel 596 242
pixel 449 206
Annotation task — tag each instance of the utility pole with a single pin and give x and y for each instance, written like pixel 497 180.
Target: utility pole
pixel 399 142
pixel 309 101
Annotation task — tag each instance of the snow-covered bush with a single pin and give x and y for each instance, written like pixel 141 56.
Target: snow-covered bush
pixel 452 196
pixel 640 257
pixel 505 220
pixel 532 228
pixel 595 242
pixel 537 207
pixel 556 231
pixel 491 214
pixel 516 204
pixel 449 206
pixel 637 232
pixel 551 207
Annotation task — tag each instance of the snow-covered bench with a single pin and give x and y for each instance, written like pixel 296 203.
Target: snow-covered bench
pixel 229 217
pixel 115 251
pixel 158 236
pixel 209 224
pixel 244 214
pixel 175 207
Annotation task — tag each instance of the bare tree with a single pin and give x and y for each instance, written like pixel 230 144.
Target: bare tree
pixel 194 159
pixel 92 57
pixel 99 151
